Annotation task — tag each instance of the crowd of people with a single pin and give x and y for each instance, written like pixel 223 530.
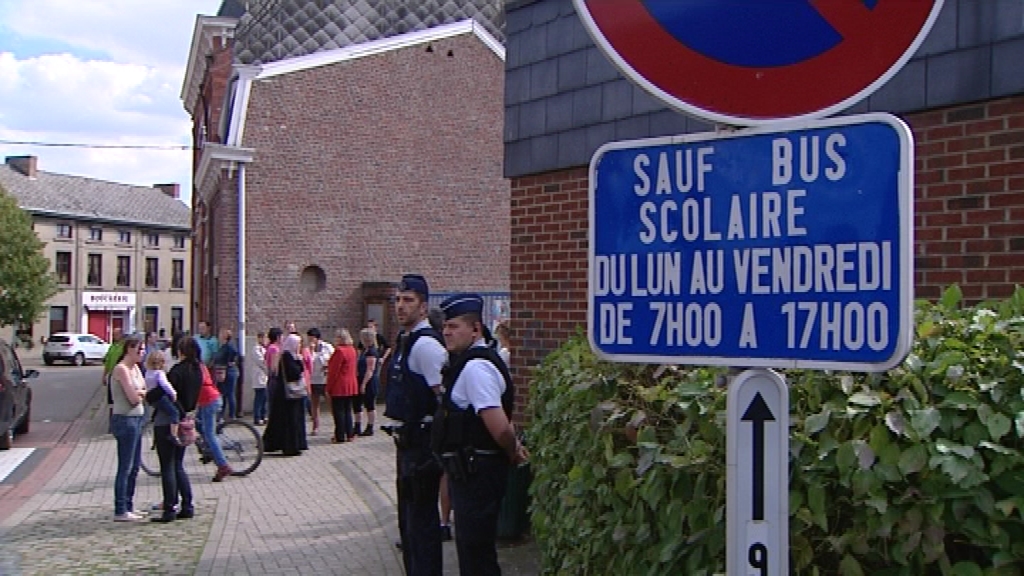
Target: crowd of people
pixel 449 394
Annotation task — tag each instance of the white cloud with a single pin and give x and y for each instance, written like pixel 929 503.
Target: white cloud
pixel 148 32
pixel 115 80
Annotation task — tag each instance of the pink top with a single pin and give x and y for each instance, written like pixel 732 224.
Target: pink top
pixel 307 361
pixel 273 353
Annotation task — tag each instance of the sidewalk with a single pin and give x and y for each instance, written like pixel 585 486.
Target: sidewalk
pixel 329 511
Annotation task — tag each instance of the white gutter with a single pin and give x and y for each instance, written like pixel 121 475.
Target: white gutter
pixel 241 259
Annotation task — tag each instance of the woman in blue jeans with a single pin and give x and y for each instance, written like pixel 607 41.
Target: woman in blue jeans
pixel 127 391
pixel 225 362
pixel 209 405
pixel 186 377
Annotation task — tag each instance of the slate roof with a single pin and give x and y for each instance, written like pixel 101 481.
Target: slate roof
pixel 80 198
pixel 272 30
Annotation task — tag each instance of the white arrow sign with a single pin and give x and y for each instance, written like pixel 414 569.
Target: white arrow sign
pixel 757 460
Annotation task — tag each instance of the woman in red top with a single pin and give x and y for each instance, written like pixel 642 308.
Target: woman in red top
pixel 342 385
pixel 207 409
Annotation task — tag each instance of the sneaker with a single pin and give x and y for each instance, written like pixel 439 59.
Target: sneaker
pixel 127 517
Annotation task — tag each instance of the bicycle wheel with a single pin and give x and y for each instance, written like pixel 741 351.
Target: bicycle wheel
pixel 241 444
pixel 150 462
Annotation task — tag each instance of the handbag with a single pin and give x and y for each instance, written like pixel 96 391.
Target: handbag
pixel 187 430
pixel 293 389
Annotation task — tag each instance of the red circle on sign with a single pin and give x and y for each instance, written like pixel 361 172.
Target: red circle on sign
pixel 875 44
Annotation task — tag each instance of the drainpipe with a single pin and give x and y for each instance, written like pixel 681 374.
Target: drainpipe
pixel 240 385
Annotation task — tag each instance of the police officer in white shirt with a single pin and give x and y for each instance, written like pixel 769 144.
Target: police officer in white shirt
pixel 475 437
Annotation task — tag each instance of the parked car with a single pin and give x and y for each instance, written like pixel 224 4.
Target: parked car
pixel 74 348
pixel 15 396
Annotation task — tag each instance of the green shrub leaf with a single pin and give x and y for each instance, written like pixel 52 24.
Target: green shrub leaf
pixel 967 569
pixel 913 459
pixel 817 422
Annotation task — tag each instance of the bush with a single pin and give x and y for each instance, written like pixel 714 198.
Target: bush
pixel 915 471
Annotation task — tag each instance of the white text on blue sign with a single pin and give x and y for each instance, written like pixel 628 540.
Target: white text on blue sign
pixel 773 245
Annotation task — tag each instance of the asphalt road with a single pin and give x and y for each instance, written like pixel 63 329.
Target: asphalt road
pixel 61 393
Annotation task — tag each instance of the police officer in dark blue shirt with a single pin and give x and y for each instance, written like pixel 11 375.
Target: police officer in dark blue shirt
pixel 473 433
pixel 414 385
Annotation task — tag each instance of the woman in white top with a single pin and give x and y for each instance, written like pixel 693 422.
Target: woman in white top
pixel 504 337
pixel 128 390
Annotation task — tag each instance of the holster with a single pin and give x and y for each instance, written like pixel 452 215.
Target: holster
pixel 459 464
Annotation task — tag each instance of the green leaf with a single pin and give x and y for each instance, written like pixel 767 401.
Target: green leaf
pixel 960 400
pixel 850 567
pixel 817 422
pixel 866 399
pixel 846 456
pixel 967 569
pixel 925 421
pixel 998 426
pixel 951 297
pixel 947 447
pixel 895 422
pixel 913 459
pixel 816 503
pixel 1019 423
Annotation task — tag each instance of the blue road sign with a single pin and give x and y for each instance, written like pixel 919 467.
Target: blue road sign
pixel 758 248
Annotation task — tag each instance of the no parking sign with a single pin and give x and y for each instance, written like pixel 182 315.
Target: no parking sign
pixel 754 62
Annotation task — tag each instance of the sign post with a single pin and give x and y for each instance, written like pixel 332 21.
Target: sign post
pixel 757 460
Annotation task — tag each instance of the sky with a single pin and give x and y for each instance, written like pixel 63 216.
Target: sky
pixel 99 72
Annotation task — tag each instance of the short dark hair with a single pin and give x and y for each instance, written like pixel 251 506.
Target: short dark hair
pixel 313 332
pixel 260 334
pixel 274 335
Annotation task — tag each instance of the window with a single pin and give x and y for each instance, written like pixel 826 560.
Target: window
pixel 150 317
pixel 95 275
pixel 178 274
pixel 177 319
pixel 63 268
pixel 152 273
pixel 58 319
pixel 96 234
pixel 152 240
pixel 124 271
pixel 179 242
pixel 124 237
pixel 63 230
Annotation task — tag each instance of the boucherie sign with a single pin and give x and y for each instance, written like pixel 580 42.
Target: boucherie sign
pixel 108 300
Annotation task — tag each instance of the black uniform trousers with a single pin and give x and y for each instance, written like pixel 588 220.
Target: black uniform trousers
pixel 419 522
pixel 476 501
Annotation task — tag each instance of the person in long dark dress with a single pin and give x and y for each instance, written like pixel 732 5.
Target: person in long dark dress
pixel 286 426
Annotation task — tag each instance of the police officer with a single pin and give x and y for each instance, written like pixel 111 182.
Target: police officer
pixel 414 384
pixel 474 437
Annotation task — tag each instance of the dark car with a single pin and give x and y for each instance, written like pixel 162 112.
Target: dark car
pixel 15 396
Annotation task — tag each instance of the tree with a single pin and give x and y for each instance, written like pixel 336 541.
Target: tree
pixel 26 282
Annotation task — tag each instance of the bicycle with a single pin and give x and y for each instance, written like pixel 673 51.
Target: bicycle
pixel 240 441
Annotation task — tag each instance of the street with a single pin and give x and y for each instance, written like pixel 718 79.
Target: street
pixel 329 511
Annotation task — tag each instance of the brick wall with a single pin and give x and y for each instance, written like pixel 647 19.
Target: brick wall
pixel 969 202
pixel 370 168
pixel 969 199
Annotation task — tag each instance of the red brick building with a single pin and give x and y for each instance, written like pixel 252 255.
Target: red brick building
pixel 345 168
pixel 962 94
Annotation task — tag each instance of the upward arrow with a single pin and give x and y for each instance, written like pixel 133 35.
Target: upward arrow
pixel 758 413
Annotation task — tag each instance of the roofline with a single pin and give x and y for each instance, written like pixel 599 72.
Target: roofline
pixel 58 215
pixel 205 29
pixel 380 46
pixel 222 153
pixel 247 73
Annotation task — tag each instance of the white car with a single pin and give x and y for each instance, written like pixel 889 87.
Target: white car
pixel 74 348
